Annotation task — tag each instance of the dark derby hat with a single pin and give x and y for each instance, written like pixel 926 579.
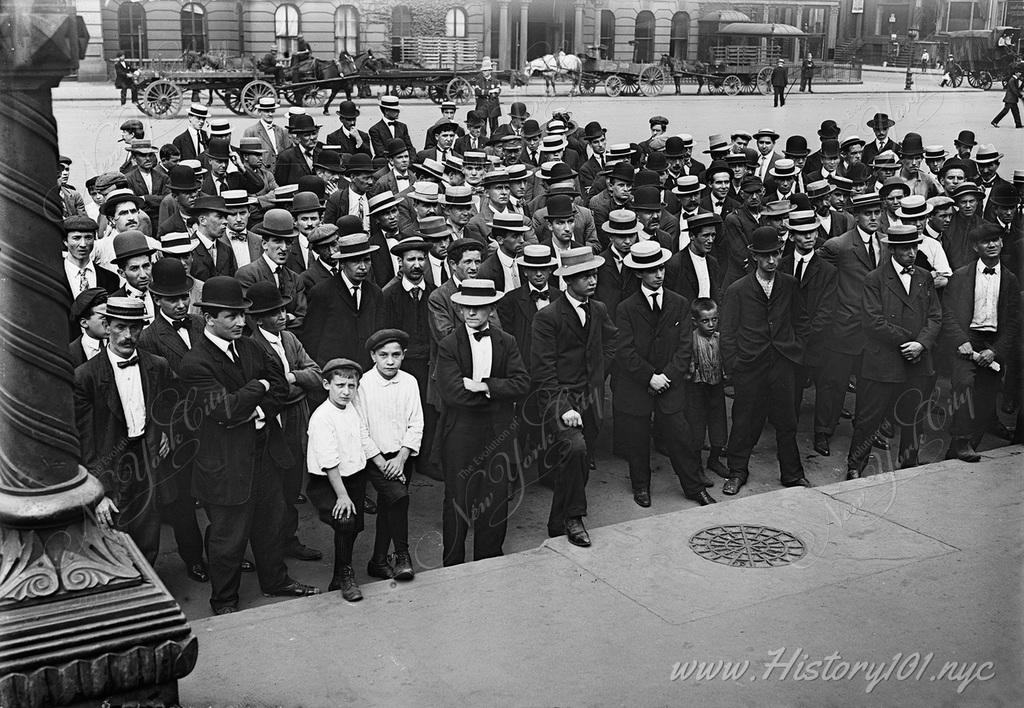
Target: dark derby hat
pixel 308 183
pixel 1004 194
pixel 647 178
pixel 621 171
pixel 675 147
pixel 329 160
pixel 859 173
pixel 830 147
pixel 912 146
pixel 277 223
pixel 966 138
pixel 828 129
pixel 348 109
pixel 657 161
pixel 305 202
pixel 393 148
pixel 183 179
pixel 765 239
pixel 219 149
pixel 386 336
pixel 302 123
pixel 647 198
pixel 168 278
pixel 560 172
pixel 361 162
pixel 129 244
pixel 796 146
pixel 265 298
pixel 531 129
pixel 223 292
pixel 560 206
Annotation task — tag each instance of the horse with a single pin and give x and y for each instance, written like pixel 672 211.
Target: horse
pixel 680 67
pixel 551 66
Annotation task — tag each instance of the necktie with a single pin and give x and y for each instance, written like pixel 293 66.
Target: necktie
pixel 536 295
pixel 444 274
pixel 83 281
pixel 871 253
pixel 180 324
pixel 585 309
pixel 989 271
pixel 909 270
pixel 277 278
pixel 481 333
pixel 416 292
pixel 444 156
pixel 355 295
pixel 133 361
pixel 799 269
pixel 655 307
pixel 232 352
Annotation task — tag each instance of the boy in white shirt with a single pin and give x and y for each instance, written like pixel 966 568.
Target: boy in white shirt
pixel 336 459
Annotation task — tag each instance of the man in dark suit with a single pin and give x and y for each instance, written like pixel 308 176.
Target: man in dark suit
pixel 296 161
pixel 239 390
pixel 396 178
pixel 348 138
pixel 218 180
pixel 354 197
pixel 573 343
pixel 733 254
pixel 652 362
pixel 902 319
pixel 854 254
pixel 614 281
pixel 694 272
pixel 480 375
pixel 146 181
pixel 617 195
pixel 1011 97
pixel 213 256
pixel 343 312
pixel 509 230
pixel 278 232
pixel 779 81
pixel 191 143
pixel 92 330
pixel 322 242
pixel 880 125
pixel 442 139
pixel 980 321
pixel 596 140
pixel 473 140
pixel 649 210
pixel 760 352
pixel 121 417
pixel 561 204
pixel 272 137
pixel 831 223
pixel 383 209
pixel 389 127
pixel 716 198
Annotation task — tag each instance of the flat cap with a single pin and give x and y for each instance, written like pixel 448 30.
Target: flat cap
pixel 79 222
pixel 385 336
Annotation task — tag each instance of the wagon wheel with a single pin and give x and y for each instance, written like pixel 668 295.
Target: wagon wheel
pixel 315 97
pixel 459 90
pixel 613 85
pixel 232 98
pixel 436 92
pixel 652 80
pixel 750 84
pixel 161 99
pixel 764 80
pixel 984 81
pixel 732 85
pixel 405 91
pixel 252 92
pixel 587 86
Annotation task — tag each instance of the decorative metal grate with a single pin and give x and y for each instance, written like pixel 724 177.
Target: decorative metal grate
pixel 745 546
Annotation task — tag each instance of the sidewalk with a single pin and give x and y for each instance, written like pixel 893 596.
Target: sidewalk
pixel 917 572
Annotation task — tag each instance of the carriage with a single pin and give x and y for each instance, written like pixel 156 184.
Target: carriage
pixel 621 78
pixel 981 56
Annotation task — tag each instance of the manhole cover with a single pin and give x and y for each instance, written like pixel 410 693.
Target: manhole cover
pixel 743 546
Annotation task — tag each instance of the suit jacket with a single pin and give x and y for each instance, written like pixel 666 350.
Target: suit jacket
pixel 601 205
pixel 106 279
pixel 850 258
pixel 588 172
pixel 986 209
pixel 203 266
pixel 183 141
pixel 752 323
pixel 410 316
pixel 388 181
pixel 295 261
pixel 568 361
pixel 258 271
pixel 316 273
pixel 103 432
pixel 464 143
pixel 613 285
pixel 380 135
pixel 956 241
pixel 77 352
pixel 733 254
pixel 680 276
pixel 347 145
pixel 891 318
pixel 334 327
pixel 958 311
pixel 162 339
pixel 295 418
pixel 516 311
pixel 841 223
pixel 816 297
pixel 337 205
pixel 382 263
pixel 270 149
pixel 228 393
pixel 491 269
pixel 291 164
pixel 71 202
pixel 175 223
pixel 651 344
pixel 245 179
pixel 584 231
pixel 867 157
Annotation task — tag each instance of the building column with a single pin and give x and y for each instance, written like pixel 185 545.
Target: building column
pixel 488 19
pixel 94 66
pixel 503 38
pixel 524 30
pixel 577 29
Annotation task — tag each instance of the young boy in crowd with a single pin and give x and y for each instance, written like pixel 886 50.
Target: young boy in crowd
pixel 336 459
pixel 389 404
pixel 705 392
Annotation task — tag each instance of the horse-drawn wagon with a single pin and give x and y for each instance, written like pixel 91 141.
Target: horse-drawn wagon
pixel 981 56
pixel 587 72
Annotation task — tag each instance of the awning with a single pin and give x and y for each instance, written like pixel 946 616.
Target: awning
pixel 724 16
pixel 760 29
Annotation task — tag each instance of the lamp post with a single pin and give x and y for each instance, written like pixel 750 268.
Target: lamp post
pixel 83 617
pixel 911 37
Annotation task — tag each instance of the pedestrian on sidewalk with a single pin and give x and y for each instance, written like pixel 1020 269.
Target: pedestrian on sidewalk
pixel 1011 97
pixel 807 73
pixel 124 79
pixel 780 77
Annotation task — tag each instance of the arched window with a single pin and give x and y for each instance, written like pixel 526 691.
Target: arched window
pixel 679 35
pixel 131 30
pixel 607 39
pixel 287 26
pixel 643 37
pixel 401 27
pixel 346 30
pixel 193 27
pixel 455 22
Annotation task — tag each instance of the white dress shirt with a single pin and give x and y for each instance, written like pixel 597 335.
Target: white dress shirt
pixel 700 267
pixel 349 284
pixel 542 302
pixel 865 239
pixel 653 296
pixel 798 259
pixel 91 346
pixel 482 354
pixel 409 286
pixel 240 248
pixel 181 332
pixel 986 298
pixel 147 301
pixel 193 134
pixel 268 128
pixel 358 205
pixel 437 267
pixel 129 389
pixel 508 265
pixel 74 274
pixel 274 269
pixel 338 438
pixel 391 410
pixel 905 278
pixel 278 346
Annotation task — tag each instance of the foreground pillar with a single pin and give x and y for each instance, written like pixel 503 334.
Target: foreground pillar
pixel 83 617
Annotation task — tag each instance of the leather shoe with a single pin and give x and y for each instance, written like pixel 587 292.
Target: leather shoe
pixel 963 452
pixel 880 442
pixel 732 486
pixel 802 482
pixel 716 466
pixel 852 474
pixel 642 497
pixel 821 444
pixel 380 569
pixel 302 552
pixel 197 571
pixel 247 566
pixel 576 532
pixel 226 610
pixel 346 582
pixel 293 589
pixel 403 566
pixel 702 498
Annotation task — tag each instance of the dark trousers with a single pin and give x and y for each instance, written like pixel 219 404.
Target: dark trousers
pixel 566 456
pixel 780 96
pixel 803 375
pixel 905 403
pixel 124 94
pixel 974 392
pixel 231 529
pixel 1011 108
pixel 181 515
pixel 805 83
pixel 705 414
pixel 675 436
pixel 420 370
pixel 392 509
pixel 138 513
pixel 763 392
pixel 830 392
pixel 323 497
pixel 530 438
pixel 475 491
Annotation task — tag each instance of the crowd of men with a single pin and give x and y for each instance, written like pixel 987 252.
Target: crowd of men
pixel 351 310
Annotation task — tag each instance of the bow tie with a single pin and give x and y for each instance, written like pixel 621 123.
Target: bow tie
pixel 237 236
pixel 909 270
pixel 989 271
pixel 536 295
pixel 128 362
pixel 481 333
pixel 180 324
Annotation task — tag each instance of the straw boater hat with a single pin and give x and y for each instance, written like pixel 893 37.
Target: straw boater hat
pixel 476 292
pixel 688 184
pixel 506 221
pixel 901 235
pixel 412 243
pixel 621 222
pixel 802 221
pixel 914 207
pixel 578 260
pixel 382 202
pixel 129 309
pixel 178 243
pixel 646 254
pixel 432 228
pixel 537 255
pixel 354 246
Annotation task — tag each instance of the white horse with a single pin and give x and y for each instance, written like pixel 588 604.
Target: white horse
pixel 551 66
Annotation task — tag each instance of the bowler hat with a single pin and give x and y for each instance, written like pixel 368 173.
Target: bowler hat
pixel 395 147
pixel 537 255
pixel 128 309
pixel 1003 194
pixel 518 110
pixel 218 149
pixel 901 235
pixel 765 239
pixel 966 138
pixel 265 297
pixel 796 146
pixel 560 171
pixel 953 163
pixel 621 171
pixel 129 244
pixel 859 173
pixel 647 198
pixel 360 162
pixel 621 222
pixel 476 292
pixel 674 147
pixel 350 225
pixel 891 184
pixel 828 130
pixel 881 120
pixel 277 223
pixel 302 123
pixel 647 178
pixel 646 254
pixel 386 336
pixel 353 246
pixel 657 162
pixel 578 260
pixel 183 179
pixel 413 243
pixel 348 109
pixel 223 292
pixel 329 160
pixel 716 167
pixel 473 119
pixel 169 279
pixel 87 300
pixel 312 183
pixel 560 206
pixel 304 203
pixel 530 129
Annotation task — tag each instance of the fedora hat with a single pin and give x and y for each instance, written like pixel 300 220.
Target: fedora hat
pixel 304 203
pixel 802 221
pixel 776 209
pixel 901 235
pixel 267 103
pixel 537 255
pixel 178 243
pixel 647 198
pixel 382 202
pixel 935 152
pixel 223 292
pixel 168 278
pixel 509 221
pixel 323 235
pixel 207 203
pixel 716 143
pixel 766 133
pixel 413 243
pixel 87 300
pixel 531 129
pixel 389 102
pixel 688 184
pixel 646 254
pixel 886 160
pixel 880 120
pixel 237 199
pixel 859 173
pixel 432 228
pixel 818 188
pixel 593 131
pixel 129 244
pixel 783 168
pixel 476 292
pixel 360 162
pixel 128 309
pixel 560 206
pixel 796 146
pixel 621 222
pixel 966 138
pixel 138 147
pixel 119 196
pixel 578 260
pixel 183 179
pixel 828 130
pixel 277 223
pixel 426 192
pixel 348 109
pixel 329 160
pixel 218 149
pixel 911 146
pixel 496 176
pixel 675 147
pixel 913 207
pixel 518 110
pixel 353 246
pixel 198 110
pixel 456 196
pixel 1003 194
pixel 865 201
pixel 987 153
pixel 265 297
pixel 248 146
pixel 302 123
pixel 765 239
pixel 892 184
